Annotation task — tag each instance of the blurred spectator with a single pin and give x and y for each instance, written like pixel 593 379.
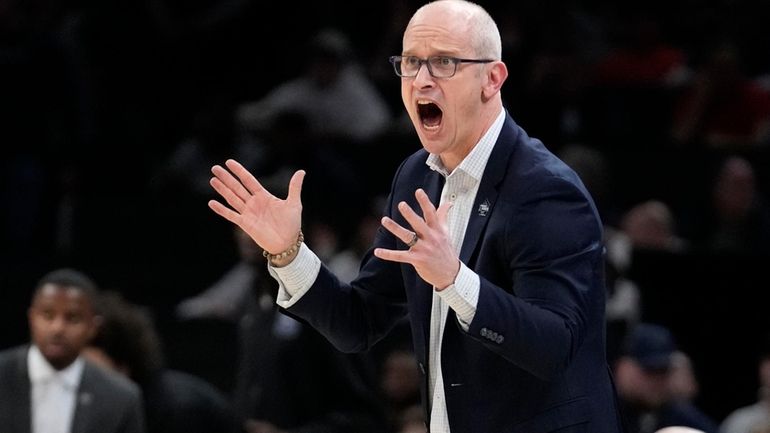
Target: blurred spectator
pixel 229 297
pixel 723 108
pixel 412 420
pixel 400 383
pixel 48 386
pixel 345 263
pixel 593 167
pixel 754 418
pixel 635 82
pixel 174 401
pixel 740 216
pixel 291 145
pixel 289 379
pixel 650 225
pixel 642 377
pixel 682 380
pixel 213 136
pixel 642 57
pixel 333 93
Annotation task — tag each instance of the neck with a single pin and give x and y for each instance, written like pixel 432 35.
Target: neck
pixel 486 118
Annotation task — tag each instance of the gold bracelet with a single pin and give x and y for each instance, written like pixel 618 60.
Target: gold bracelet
pixel 293 249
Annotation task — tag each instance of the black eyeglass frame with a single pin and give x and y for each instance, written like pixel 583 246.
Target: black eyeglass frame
pixel 455 60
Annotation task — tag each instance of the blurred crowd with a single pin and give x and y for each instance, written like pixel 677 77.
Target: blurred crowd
pixel 114 112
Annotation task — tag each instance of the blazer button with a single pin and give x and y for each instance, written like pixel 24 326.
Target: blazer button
pixel 499 339
pixel 484 332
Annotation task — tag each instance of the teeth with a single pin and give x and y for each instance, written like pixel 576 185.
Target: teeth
pixel 423 102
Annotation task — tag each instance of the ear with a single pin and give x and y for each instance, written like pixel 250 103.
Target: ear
pixel 497 73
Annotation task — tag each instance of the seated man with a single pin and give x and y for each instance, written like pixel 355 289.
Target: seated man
pixel 47 387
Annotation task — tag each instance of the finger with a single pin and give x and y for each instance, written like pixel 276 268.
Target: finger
pixel 398 231
pixel 249 181
pixel 414 220
pixel 402 256
pixel 230 182
pixel 428 210
pixel 442 215
pixel 225 212
pixel 233 200
pixel 295 187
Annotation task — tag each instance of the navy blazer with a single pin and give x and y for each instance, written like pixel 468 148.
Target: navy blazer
pixel 533 359
pixel 105 401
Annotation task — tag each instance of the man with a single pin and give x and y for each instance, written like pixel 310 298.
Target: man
pixel 502 283
pixel 643 374
pixel 47 387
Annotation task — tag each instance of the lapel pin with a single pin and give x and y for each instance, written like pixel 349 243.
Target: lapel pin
pixel 484 208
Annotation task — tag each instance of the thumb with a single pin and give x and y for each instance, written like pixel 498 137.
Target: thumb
pixel 295 187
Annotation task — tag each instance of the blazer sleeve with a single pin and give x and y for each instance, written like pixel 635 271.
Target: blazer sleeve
pixel 550 246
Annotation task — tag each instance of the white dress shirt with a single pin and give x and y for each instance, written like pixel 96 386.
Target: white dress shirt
pixel 460 187
pixel 54 393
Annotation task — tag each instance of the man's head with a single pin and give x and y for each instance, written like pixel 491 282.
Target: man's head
pixel 643 370
pixel 451 114
pixel 126 341
pixel 651 346
pixel 61 316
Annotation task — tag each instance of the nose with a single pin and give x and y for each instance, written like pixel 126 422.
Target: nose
pixel 423 78
pixel 57 325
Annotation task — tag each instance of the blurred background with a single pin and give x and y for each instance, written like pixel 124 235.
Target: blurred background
pixel 112 113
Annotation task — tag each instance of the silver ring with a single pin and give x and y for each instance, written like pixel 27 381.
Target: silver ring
pixel 413 241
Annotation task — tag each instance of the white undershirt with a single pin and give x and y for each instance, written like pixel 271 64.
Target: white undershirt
pixel 461 187
pixel 53 393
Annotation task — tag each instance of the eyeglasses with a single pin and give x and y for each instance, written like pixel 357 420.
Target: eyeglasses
pixel 438 66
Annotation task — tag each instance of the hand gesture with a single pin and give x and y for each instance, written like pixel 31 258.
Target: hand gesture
pixel 430 249
pixel 273 223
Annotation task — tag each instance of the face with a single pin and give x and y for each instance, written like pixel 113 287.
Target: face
pixel 642 387
pixel 61 322
pixel 449 114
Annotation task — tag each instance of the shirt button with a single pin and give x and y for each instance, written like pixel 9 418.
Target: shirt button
pixel 453 197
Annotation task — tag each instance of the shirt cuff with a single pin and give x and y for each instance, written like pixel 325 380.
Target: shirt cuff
pixel 463 295
pixel 295 279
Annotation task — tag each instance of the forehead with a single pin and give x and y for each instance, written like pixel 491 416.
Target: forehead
pixel 437 30
pixel 58 295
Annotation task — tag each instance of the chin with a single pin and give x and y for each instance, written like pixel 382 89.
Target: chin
pixel 430 144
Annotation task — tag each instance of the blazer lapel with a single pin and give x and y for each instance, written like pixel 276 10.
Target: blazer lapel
pixel 84 399
pixel 486 197
pixel 22 401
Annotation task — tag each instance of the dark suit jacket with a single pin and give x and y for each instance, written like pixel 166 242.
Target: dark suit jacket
pixel 533 359
pixel 106 402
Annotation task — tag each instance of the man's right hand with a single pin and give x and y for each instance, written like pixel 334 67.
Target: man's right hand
pixel 273 223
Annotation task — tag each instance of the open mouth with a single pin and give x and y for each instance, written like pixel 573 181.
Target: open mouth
pixel 430 114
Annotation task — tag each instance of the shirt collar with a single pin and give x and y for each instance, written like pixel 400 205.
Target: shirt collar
pixel 476 161
pixel 41 371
